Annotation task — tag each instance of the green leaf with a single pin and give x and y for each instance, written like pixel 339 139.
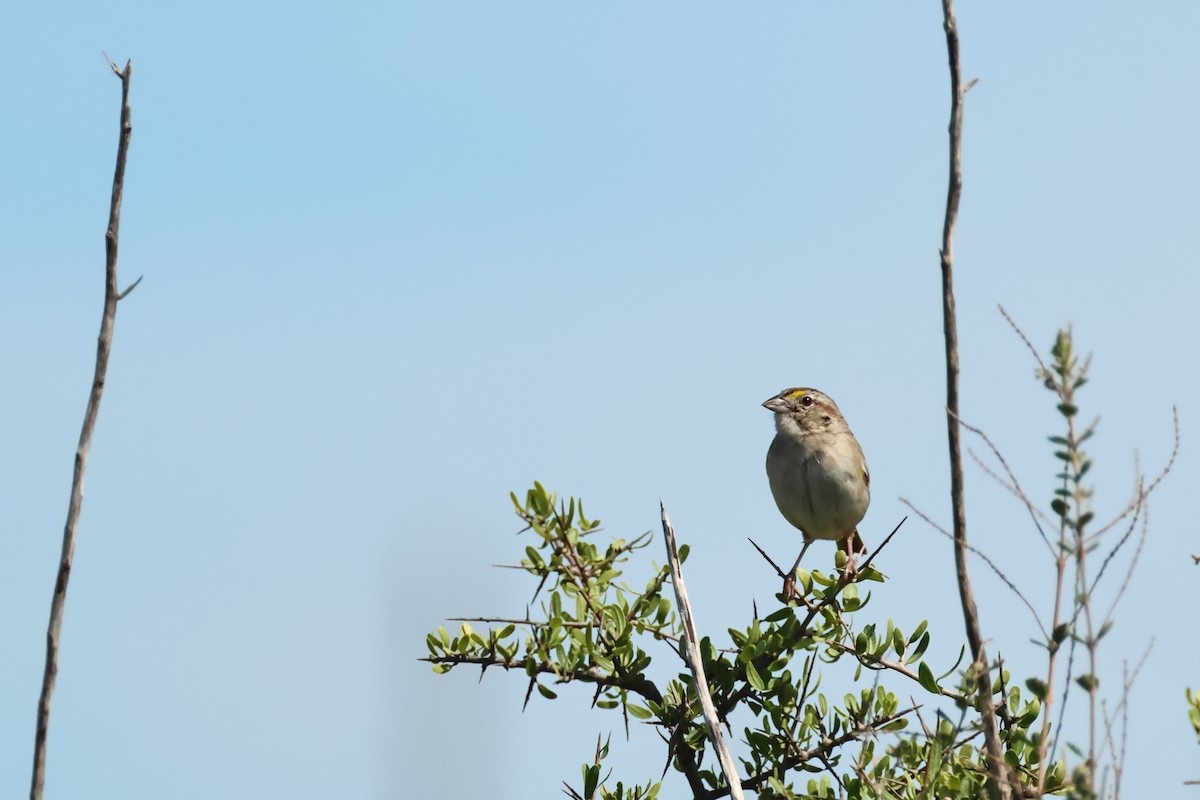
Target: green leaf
pixel 537 500
pixel 925 676
pixel 1054 776
pixel 591 777
pixel 870 574
pixel 946 730
pixel 753 678
pixel 804 577
pixel 820 577
pixel 1036 687
pixel 920 648
pixel 1031 712
pixel 638 711
pixel 546 692
pixel 1089 683
pixel 683 552
pixel 781 614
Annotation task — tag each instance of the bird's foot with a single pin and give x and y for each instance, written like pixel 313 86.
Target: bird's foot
pixel 790 592
pixel 852 545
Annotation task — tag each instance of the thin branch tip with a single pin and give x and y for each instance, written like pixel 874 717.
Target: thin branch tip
pixel 118 71
pixel 130 288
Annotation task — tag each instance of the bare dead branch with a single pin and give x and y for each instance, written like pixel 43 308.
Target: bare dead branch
pixel 991 564
pixel 103 348
pixel 1015 491
pixel 1017 329
pixel 130 288
pixel 1140 493
pixel 1137 555
pixel 1016 485
pixel 998 784
pixel 696 662
pixel 1138 512
pixel 928 520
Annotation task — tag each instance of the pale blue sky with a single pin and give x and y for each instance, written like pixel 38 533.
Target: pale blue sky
pixel 401 259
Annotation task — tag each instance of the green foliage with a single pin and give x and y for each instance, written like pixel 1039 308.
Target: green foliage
pixel 909 729
pixel 594 785
pixel 592 625
pixel 1193 699
pixel 1065 376
pixel 796 741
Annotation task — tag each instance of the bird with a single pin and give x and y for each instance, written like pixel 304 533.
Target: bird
pixel 818 474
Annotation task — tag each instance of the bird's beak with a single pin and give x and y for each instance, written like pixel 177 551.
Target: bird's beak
pixel 776 404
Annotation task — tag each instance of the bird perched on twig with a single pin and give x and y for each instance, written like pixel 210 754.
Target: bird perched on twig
pixel 818 474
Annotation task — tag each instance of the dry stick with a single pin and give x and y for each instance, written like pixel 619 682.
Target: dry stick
pixel 111 296
pixel 998 782
pixel 696 664
pixel 1007 581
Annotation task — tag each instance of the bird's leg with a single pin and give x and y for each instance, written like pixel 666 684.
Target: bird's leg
pixel 789 580
pixel 852 544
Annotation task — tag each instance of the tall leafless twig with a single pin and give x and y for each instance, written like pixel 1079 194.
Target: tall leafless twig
pixel 112 295
pixel 696 663
pixel 998 785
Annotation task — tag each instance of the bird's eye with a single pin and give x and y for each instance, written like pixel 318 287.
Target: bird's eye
pixel 806 400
